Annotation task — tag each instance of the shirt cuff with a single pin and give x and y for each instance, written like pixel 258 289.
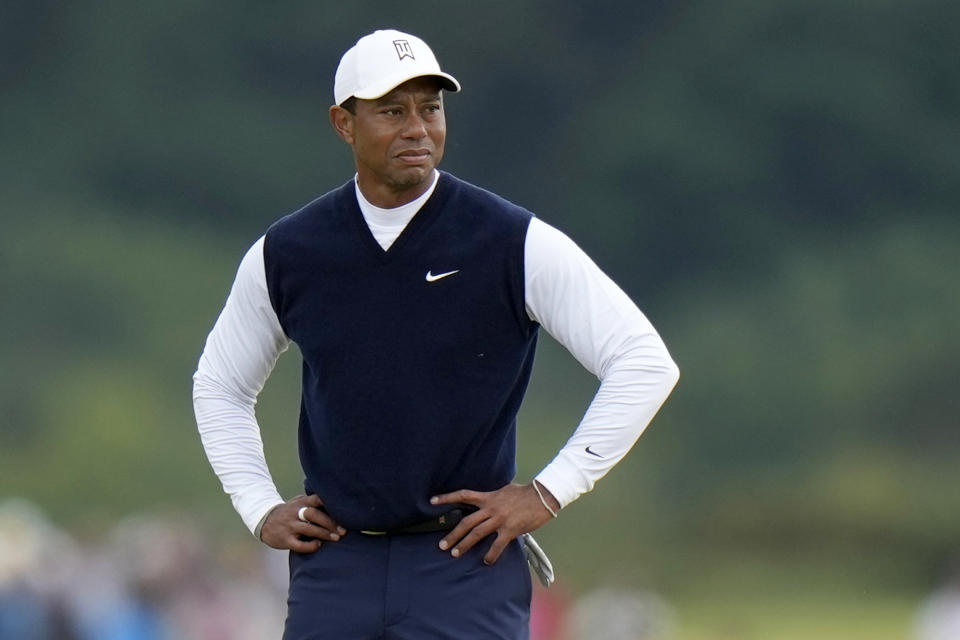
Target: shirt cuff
pixel 564 480
pixel 254 511
pixel 259 528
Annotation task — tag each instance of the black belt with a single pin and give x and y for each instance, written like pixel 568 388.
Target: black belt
pixel 443 522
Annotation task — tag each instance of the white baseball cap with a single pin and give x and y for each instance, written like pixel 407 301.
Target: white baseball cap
pixel 383 60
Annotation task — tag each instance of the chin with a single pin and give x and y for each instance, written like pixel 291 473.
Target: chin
pixel 414 177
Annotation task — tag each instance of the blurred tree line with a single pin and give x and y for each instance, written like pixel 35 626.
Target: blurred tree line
pixel 775 183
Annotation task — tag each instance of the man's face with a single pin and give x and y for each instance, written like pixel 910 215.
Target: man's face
pixel 397 140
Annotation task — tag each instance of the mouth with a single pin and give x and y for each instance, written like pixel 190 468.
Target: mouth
pixel 414 156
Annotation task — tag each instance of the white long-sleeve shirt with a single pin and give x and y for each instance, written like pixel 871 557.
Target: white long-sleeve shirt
pixel 566 293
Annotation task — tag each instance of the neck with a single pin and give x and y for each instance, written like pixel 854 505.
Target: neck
pixel 388 197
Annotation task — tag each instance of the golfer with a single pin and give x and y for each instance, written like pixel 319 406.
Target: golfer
pixel 415 299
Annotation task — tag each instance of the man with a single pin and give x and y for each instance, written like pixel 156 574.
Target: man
pixel 415 299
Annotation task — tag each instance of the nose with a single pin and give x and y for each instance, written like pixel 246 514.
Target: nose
pixel 414 127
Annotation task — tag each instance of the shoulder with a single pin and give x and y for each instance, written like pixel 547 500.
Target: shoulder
pixel 321 218
pixel 545 239
pixel 313 213
pixel 551 251
pixel 480 200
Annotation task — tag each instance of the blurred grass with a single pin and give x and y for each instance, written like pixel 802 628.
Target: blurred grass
pixel 757 595
pixel 729 615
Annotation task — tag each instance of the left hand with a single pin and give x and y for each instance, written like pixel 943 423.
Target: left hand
pixel 509 512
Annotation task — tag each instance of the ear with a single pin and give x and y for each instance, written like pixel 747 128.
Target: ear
pixel 342 122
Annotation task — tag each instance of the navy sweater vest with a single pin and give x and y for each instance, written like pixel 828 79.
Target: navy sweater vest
pixel 411 383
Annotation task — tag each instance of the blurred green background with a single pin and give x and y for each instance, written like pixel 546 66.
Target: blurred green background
pixel 775 183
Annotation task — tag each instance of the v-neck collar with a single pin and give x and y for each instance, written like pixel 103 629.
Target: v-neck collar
pixel 421 220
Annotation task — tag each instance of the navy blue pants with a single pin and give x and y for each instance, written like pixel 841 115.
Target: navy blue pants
pixel 405 588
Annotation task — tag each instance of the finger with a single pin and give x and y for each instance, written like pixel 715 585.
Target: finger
pixel 462 528
pixel 476 535
pixel 463 496
pixel 303 546
pixel 496 549
pixel 315 516
pixel 313 500
pixel 313 531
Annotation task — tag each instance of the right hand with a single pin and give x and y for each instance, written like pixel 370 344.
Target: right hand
pixel 284 530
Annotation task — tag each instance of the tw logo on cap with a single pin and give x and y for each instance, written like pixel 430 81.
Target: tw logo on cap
pixel 403 49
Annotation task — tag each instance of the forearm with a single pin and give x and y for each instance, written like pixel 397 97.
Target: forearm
pixel 231 440
pixel 629 396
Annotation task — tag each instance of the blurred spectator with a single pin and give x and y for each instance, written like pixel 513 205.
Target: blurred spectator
pixel 153 577
pixel 103 605
pixel 621 614
pixel 939 615
pixel 548 613
pixel 35 562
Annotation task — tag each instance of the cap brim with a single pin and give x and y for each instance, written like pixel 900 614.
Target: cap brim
pixel 447 82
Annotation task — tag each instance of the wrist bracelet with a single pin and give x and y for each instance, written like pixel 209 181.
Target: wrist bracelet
pixel 536 488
